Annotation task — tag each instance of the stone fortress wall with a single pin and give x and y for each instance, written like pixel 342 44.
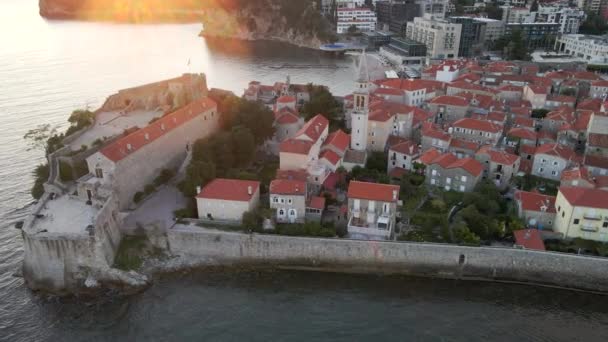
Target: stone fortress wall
pixel 200 246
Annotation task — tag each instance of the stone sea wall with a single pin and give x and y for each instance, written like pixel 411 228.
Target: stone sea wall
pixel 197 246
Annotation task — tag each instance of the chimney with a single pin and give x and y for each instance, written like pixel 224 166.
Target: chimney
pixel 198 190
pixel 395 194
pixel 129 147
pixel 250 190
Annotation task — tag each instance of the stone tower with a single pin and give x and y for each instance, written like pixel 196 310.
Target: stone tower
pixel 360 112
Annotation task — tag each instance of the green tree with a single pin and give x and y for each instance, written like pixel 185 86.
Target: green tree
pixel 377 161
pixel 539 113
pixel 594 24
pixel 323 102
pixel 38 138
pixel 352 30
pixel 568 92
pixel 243 144
pixel 463 235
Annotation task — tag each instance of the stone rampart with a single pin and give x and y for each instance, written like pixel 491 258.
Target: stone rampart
pixel 205 246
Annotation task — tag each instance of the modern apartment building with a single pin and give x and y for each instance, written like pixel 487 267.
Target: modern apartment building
pixel 442 38
pixel 364 19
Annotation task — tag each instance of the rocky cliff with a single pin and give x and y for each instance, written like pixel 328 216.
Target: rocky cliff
pixel 293 21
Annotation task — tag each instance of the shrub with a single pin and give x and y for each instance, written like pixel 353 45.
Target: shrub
pixel 164 177
pixel 148 189
pixel 41 175
pixel 138 197
pixel 65 171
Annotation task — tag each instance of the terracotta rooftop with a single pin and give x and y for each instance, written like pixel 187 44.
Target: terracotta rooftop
pixel 331 156
pixel 428 156
pixel 409 148
pixel 229 190
pixel 577 173
pixel 497 156
pixel 373 191
pixel 463 144
pixel 598 140
pixel 287 187
pixel 556 150
pixel 534 201
pixel 313 128
pixel 338 139
pixel 450 100
pixel 296 146
pixel 596 161
pixel 131 143
pixel 286 99
pixel 479 125
pixel 529 239
pixel 316 202
pixel 470 165
pixel 584 197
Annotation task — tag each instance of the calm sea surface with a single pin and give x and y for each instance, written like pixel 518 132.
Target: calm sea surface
pixel 48 69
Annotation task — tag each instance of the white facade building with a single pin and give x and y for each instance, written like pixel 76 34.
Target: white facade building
pixel 568 18
pixel 442 39
pixel 588 47
pixel 227 199
pixel 362 18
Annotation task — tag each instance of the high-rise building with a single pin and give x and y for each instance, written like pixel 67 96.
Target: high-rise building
pixel 396 13
pixel 471 36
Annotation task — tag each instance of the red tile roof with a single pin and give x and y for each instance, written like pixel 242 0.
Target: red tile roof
pixel 584 197
pixel 497 156
pixel 577 173
pixel 385 110
pixel 300 175
pixel 471 87
pixel 313 128
pixel 331 156
pixel 599 140
pixel 596 161
pixel 534 201
pixel 296 146
pixel 529 239
pixel 537 89
pixel 286 99
pixel 450 100
pixel 410 84
pixel 556 150
pixel 428 156
pixel 317 202
pixel 470 165
pixel 409 148
pixel 373 191
pixel 131 143
pixel 479 125
pixel 590 104
pixel 229 190
pixel 511 88
pixel 434 132
pixel 524 122
pixel 338 139
pixel 463 144
pixel 389 91
pixel 561 98
pixel 287 187
pixel 397 172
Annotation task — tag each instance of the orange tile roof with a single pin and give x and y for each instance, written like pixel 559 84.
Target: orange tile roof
pixel 314 127
pixel 373 191
pixel 577 173
pixel 428 156
pixel 470 165
pixel 534 201
pixel 497 156
pixel 470 86
pixel 537 89
pixel 287 187
pixel 286 99
pixel 599 140
pixel 388 91
pixel 556 150
pixel 300 175
pixel 338 139
pixel 522 133
pixel 590 104
pixel 330 156
pixel 229 190
pixel 316 202
pixel 524 122
pixel 450 100
pixel 584 197
pixel 479 125
pixel 529 239
pixel 463 144
pixel 131 143
pixel 596 161
pixel 408 147
pixel 296 146
pixel 561 98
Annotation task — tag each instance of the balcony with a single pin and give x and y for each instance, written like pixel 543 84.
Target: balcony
pixel 592 216
pixel 589 228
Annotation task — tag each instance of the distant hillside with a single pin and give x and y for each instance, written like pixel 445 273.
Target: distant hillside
pixel 293 21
